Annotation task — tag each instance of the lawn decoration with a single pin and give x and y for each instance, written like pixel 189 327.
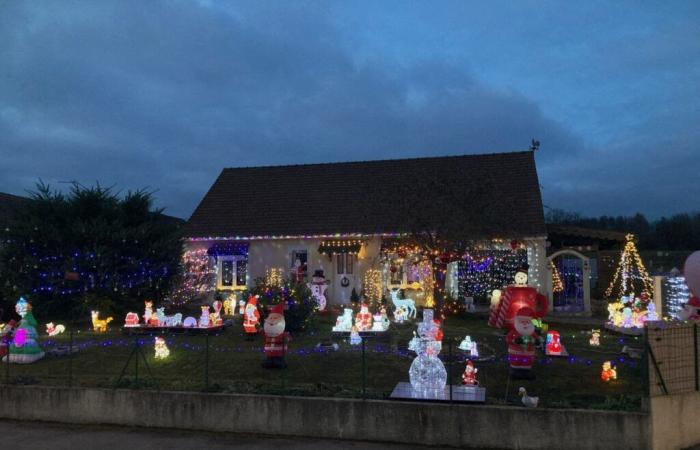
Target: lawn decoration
pixel 215 317
pixel 24 348
pixel 522 340
pixel 148 312
pixel 318 286
pixel 413 343
pixel 407 303
pixel 629 313
pixel 99 325
pixel 363 319
pixel 691 272
pixel 251 319
pixel 400 314
pixel 517 296
pixel 131 320
pixel 204 318
pixel 161 349
pixel 594 341
pixel 344 322
pixel 355 338
pixel 54 330
pixel 189 322
pixel 630 276
pixel 469 375
pixel 6 336
pixel 275 338
pixel 530 402
pixel 380 321
pixel 427 372
pixel 241 307
pixel 230 305
pixel 468 345
pixel 609 372
pixel 168 321
pixel 553 345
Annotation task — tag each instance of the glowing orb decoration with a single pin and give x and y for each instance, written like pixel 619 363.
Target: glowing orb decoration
pixel 20 337
pixel 161 348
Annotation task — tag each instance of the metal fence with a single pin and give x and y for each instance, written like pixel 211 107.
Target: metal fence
pixel 672 354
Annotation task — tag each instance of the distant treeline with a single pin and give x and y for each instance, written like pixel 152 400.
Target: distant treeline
pixel 678 232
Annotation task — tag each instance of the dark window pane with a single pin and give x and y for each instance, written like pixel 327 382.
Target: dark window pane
pixel 227 273
pixel 340 261
pixel 349 263
pixel 241 269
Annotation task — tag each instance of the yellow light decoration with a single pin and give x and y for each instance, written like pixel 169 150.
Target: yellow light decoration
pixel 608 372
pixel 161 349
pixel 427 282
pixel 372 286
pixel 557 284
pixel 629 269
pixel 274 276
pixel 99 325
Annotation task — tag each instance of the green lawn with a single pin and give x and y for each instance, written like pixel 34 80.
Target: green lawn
pixel 234 365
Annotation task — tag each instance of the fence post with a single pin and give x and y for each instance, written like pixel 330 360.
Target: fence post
pixel 449 367
pixel 364 366
pixel 695 355
pixel 137 349
pixel 70 358
pixel 206 362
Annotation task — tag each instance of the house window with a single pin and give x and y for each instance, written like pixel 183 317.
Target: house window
pixel 232 272
pixel 345 263
pixel 298 261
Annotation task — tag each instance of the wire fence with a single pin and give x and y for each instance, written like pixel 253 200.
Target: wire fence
pixel 321 363
pixel 672 350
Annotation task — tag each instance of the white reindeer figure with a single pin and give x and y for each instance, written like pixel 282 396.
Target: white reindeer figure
pixel 409 304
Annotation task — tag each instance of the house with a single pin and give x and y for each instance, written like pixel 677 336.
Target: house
pixel 354 221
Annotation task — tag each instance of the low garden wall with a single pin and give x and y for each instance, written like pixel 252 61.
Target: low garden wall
pixel 371 420
pixel 675 421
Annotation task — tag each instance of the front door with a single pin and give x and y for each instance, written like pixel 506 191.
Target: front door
pixel 344 277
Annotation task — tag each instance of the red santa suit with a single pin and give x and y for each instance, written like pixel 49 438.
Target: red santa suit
pixel 251 319
pixel 276 338
pixel 363 319
pixel 521 340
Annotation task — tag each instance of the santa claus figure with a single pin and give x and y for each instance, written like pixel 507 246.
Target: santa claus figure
pixel 275 338
pixel 251 317
pixel 6 336
pixel 363 319
pixel 469 375
pixel 504 305
pixel 553 343
pixel 691 310
pixel 522 340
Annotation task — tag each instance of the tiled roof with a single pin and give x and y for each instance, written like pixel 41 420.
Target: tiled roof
pixel 354 197
pixel 10 205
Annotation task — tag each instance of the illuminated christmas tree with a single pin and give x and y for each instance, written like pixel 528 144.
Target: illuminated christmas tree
pixel 631 277
pixel 557 283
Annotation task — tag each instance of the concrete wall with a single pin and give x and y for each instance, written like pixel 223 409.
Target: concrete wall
pixel 403 422
pixel 675 421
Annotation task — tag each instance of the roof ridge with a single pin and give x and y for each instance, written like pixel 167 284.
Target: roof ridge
pixel 364 161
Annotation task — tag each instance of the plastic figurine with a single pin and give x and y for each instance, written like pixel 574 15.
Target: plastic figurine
pixel 99 325
pixel 161 349
pixel 469 375
pixel 54 330
pixel 344 322
pixel 553 343
pixel 204 321
pixel 251 318
pixel 609 372
pixel 148 312
pixel 275 338
pixel 595 338
pixel 355 338
pixel 522 340
pixel 363 319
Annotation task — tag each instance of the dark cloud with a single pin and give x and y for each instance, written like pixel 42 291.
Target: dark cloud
pixel 166 94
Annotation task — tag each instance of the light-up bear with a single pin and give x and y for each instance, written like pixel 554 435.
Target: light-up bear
pixel 344 322
pixel 427 372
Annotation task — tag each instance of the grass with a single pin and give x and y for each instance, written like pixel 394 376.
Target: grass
pixel 234 365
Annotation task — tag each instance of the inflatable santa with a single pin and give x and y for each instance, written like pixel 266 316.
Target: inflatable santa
pixel 691 272
pixel 251 317
pixel 519 295
pixel 522 340
pixel 275 338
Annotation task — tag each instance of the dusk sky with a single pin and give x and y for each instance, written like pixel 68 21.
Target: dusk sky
pixel 165 94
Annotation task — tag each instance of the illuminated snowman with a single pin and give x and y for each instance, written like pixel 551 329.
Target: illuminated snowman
pixel 318 288
pixel 427 371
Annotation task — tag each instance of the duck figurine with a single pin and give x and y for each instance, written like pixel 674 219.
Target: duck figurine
pixel 530 402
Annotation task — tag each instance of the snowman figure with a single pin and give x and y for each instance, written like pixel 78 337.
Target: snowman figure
pixel 427 372
pixel 466 344
pixel 318 286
